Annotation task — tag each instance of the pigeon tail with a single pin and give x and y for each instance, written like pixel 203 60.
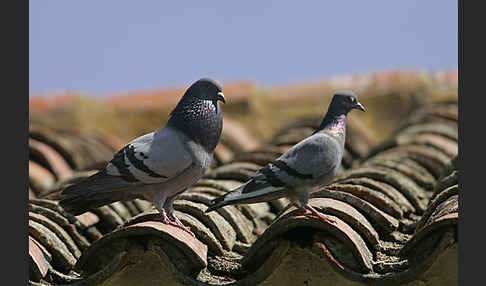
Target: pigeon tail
pixel 224 199
pixel 96 191
pixel 77 204
pixel 238 197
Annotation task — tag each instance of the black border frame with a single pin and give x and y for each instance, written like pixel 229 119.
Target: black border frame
pixel 16 23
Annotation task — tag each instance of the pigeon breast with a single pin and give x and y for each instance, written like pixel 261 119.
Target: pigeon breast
pixel 200 120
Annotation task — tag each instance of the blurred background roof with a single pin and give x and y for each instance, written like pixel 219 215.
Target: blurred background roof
pixel 112 46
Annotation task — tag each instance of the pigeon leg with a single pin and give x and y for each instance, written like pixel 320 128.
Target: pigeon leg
pixel 301 201
pixel 309 210
pixel 165 218
pixel 318 214
pixel 163 215
pixel 175 220
pixel 159 202
pixel 179 224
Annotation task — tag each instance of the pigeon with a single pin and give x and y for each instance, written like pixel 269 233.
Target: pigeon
pixel 312 162
pixel 160 165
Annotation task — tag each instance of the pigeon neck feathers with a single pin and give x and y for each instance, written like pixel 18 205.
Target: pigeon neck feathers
pixel 334 123
pixel 201 120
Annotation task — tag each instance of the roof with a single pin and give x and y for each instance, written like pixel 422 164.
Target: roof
pixel 395 204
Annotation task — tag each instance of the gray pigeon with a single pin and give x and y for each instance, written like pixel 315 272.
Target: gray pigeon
pixel 160 165
pixel 312 162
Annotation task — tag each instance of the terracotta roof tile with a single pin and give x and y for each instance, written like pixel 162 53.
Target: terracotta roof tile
pixel 39 260
pixel 40 179
pixel 50 157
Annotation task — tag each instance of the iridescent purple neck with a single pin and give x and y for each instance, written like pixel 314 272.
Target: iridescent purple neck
pixel 338 124
pixel 334 125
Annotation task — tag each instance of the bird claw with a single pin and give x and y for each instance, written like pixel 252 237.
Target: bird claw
pixel 176 222
pixel 325 218
pixel 179 224
pixel 310 210
pixel 184 228
pixel 165 218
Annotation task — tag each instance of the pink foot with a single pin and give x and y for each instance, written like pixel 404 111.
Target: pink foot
pixel 180 225
pixel 308 209
pixel 318 214
pixel 165 218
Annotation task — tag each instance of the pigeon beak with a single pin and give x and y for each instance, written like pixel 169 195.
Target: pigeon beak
pixel 359 106
pixel 220 96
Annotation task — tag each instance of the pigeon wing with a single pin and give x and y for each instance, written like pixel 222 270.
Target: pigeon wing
pixel 311 158
pixel 152 158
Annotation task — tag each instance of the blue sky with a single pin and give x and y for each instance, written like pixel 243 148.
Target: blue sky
pixel 114 46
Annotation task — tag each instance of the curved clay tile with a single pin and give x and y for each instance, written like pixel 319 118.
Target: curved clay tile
pixel 41 181
pixel 32 195
pixel 237 137
pixel 186 253
pixel 40 259
pixel 57 156
pixel 440 112
pixel 80 151
pixel 50 157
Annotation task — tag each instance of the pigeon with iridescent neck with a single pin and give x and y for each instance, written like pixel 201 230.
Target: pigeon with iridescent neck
pixel 312 162
pixel 160 165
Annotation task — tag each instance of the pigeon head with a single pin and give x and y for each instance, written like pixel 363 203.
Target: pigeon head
pixel 344 101
pixel 206 89
pixel 198 114
pixel 341 104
